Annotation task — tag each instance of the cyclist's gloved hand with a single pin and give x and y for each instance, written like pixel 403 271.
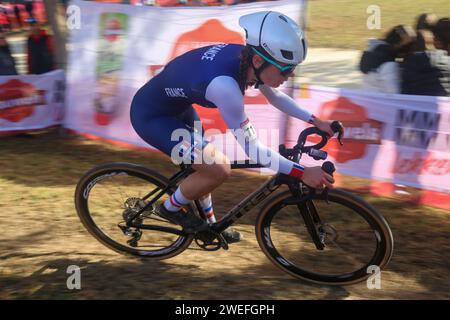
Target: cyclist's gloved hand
pixel 330 127
pixel 316 178
pixel 323 125
pixel 338 127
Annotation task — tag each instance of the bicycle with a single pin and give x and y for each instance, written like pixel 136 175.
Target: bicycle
pixel 330 237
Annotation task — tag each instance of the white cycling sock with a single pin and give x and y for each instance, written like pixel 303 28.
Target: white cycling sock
pixel 176 201
pixel 207 207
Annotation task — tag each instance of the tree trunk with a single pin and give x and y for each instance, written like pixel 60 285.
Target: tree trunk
pixel 56 17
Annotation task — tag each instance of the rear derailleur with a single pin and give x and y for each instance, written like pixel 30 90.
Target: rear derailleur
pixel 133 206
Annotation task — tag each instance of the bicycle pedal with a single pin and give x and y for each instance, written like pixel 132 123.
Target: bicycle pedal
pixel 223 242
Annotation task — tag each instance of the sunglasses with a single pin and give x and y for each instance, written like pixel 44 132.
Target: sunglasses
pixel 283 70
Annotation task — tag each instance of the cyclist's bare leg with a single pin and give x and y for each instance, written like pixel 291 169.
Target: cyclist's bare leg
pixel 208 175
pixel 206 178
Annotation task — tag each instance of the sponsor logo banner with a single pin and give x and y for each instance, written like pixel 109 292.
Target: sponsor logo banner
pixel 31 101
pixel 123 47
pixel 398 139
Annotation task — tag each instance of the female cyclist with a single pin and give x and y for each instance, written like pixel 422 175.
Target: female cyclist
pixel 217 77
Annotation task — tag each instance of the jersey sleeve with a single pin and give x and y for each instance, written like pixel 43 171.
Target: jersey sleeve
pixel 224 92
pixel 284 103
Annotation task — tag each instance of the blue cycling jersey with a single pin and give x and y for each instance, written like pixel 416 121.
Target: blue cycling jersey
pixel 185 79
pixel 207 76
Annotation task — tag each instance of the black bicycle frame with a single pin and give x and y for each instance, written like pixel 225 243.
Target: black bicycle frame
pixel 252 200
pixel 243 206
pixel 303 201
pixel 232 216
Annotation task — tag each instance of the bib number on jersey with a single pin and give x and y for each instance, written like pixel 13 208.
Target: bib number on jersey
pixel 248 130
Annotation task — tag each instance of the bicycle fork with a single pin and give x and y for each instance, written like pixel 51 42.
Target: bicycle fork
pixel 309 214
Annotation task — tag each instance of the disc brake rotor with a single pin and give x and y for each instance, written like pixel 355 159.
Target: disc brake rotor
pixel 134 205
pixel 327 233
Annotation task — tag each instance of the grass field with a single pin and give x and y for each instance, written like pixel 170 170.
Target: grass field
pixel 343 23
pixel 42 235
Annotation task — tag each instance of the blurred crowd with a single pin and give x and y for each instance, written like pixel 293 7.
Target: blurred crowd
pixel 410 60
pixel 406 60
pixel 177 3
pixel 14 14
pixel 204 2
pixel 29 16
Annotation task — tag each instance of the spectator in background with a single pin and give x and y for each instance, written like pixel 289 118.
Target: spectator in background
pixel 65 3
pixel 424 29
pixel 427 72
pixel 426 21
pixel 18 17
pixel 4 19
pixel 380 62
pixel 7 62
pixel 40 50
pixel 29 8
pixel 442 34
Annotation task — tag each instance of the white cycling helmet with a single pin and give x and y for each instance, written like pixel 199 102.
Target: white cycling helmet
pixel 277 34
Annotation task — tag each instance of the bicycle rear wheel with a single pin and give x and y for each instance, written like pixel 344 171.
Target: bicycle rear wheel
pixel 357 238
pixel 109 194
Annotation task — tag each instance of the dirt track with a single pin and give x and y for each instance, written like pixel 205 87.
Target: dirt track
pixel 42 236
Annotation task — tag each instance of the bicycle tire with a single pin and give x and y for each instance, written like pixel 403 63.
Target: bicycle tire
pixel 93 176
pixel 382 233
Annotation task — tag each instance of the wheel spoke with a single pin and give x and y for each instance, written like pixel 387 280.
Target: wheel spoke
pixel 110 197
pixel 348 255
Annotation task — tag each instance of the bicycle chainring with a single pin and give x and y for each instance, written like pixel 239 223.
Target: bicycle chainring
pixel 210 241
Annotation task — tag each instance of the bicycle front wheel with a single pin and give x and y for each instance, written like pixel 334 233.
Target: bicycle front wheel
pixel 356 237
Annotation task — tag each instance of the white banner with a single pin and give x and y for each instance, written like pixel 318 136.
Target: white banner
pixel 118 48
pixel 29 102
pixel 400 139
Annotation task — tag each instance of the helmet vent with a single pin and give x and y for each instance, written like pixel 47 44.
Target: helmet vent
pixel 287 54
pixel 304 46
pixel 283 18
